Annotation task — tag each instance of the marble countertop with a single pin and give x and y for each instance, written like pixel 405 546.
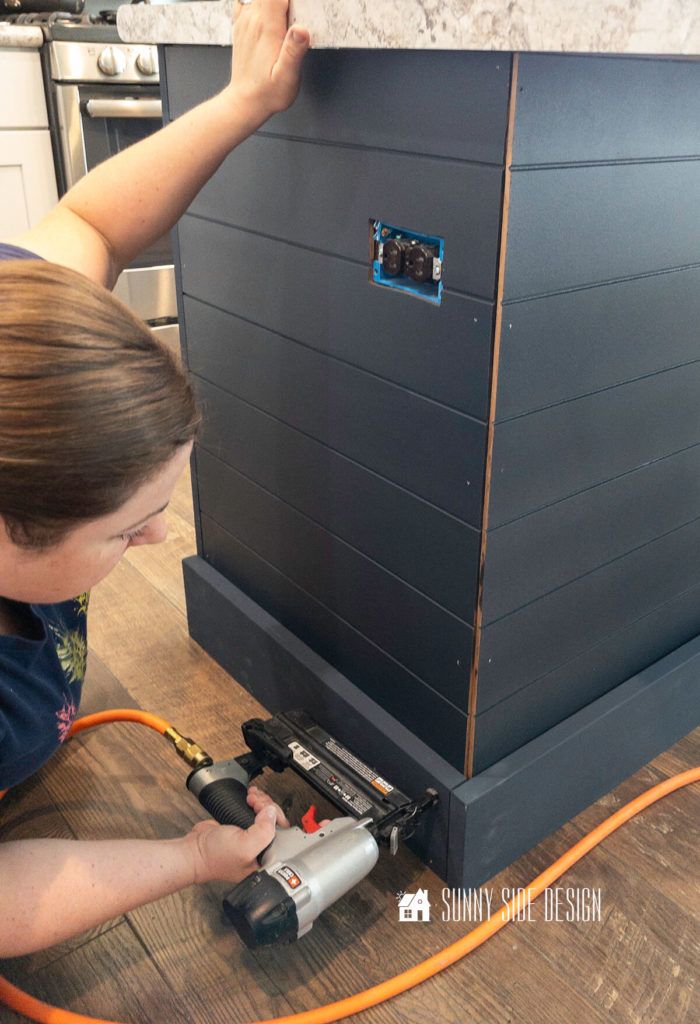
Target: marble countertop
pixel 664 27
pixel 27 37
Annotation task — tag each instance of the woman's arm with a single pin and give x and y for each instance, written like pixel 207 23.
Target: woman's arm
pixel 127 202
pixel 53 889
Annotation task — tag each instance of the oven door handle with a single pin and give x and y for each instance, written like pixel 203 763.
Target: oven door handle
pixel 124 108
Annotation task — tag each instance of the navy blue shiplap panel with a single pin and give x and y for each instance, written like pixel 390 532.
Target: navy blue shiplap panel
pixel 429 549
pixel 329 304
pixel 509 724
pixel 427 448
pixel 323 197
pixel 540 552
pixel 549 455
pixel 423 711
pixel 195 74
pixel 388 99
pixel 573 109
pixel 575 226
pixel 427 640
pixel 567 345
pixel 546 633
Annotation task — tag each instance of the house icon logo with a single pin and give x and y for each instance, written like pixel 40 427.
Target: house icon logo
pixel 414 906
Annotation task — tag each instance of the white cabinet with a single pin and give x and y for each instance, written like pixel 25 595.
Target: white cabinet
pixel 22 103
pixel 27 176
pixel 27 179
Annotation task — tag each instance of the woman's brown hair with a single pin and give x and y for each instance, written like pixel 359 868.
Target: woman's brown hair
pixel 91 404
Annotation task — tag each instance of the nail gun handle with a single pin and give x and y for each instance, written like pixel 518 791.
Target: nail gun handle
pixel 225 800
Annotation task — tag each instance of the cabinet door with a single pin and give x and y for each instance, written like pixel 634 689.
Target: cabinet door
pixel 22 102
pixel 27 180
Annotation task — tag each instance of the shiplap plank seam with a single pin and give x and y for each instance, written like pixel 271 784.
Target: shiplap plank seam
pixel 344 455
pixel 591 487
pixel 590 572
pixel 589 394
pixel 343 362
pixel 378 149
pixel 331 253
pixel 588 285
pixel 335 536
pixel 335 614
pixel 622 162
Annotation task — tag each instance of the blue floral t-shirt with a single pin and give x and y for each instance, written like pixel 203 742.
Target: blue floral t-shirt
pixel 41 671
pixel 40 685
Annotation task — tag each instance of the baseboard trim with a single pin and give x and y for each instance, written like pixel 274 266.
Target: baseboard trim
pixel 482 824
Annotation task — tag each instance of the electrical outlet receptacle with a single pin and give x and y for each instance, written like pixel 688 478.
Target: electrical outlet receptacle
pixel 406 261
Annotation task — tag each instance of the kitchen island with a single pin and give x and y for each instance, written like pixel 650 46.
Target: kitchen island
pixel 456 517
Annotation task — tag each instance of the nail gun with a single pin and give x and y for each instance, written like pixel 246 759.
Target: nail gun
pixel 303 872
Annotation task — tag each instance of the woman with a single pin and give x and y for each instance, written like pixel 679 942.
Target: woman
pixel 96 425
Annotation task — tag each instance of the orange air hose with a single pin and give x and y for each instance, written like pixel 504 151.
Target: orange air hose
pixel 36 1010
pixel 115 715
pixel 120 715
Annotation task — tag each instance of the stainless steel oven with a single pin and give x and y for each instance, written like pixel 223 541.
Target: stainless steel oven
pixel 105 97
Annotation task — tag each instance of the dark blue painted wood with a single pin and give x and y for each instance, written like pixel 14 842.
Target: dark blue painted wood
pixel 564 346
pixel 507 809
pixel 428 449
pixel 329 305
pixel 594 466
pixel 506 726
pixel 323 197
pixel 432 451
pixel 549 632
pixel 368 98
pixel 426 640
pixel 545 550
pixel 430 550
pixel 576 226
pixel 479 826
pixel 195 74
pixel 573 108
pixel 421 709
pixel 549 455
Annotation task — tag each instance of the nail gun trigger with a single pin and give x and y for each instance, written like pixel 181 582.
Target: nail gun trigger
pixel 308 820
pixel 394 841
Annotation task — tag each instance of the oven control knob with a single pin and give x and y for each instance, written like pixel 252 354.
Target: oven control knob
pixel 111 61
pixel 147 62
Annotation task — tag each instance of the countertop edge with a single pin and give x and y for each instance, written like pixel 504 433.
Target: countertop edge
pixel 653 28
pixel 20 37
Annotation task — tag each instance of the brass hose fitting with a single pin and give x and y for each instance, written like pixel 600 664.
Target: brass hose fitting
pixel 190 752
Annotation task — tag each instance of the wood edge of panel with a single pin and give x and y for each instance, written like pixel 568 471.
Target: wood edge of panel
pixel 496 350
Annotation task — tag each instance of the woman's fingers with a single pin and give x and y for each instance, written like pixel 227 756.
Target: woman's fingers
pixel 258 800
pixel 267 57
pixel 287 68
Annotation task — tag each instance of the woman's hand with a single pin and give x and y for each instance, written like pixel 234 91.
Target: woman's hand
pixel 225 853
pixel 267 57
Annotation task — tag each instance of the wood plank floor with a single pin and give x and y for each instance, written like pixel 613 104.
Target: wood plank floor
pixel 176 960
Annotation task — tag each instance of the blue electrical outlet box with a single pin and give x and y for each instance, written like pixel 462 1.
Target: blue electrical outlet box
pixel 406 261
